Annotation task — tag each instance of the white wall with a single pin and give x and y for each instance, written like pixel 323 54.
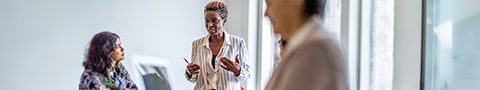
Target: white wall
pixel 407 44
pixel 237 21
pixel 42 42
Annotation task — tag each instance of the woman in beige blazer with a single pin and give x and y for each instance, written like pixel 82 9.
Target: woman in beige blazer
pixel 312 59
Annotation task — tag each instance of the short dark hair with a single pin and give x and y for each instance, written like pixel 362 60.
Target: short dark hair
pixel 99 55
pixel 219 7
pixel 315 7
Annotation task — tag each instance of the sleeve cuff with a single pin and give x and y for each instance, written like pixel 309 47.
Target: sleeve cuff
pixel 244 74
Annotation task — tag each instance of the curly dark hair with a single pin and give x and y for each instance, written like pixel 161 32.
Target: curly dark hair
pixel 99 55
pixel 315 7
pixel 219 7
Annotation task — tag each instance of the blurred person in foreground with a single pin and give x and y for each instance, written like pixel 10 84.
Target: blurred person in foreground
pixel 103 67
pixel 312 58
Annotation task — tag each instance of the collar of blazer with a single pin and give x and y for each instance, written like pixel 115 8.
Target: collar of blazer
pixel 226 39
pixel 302 33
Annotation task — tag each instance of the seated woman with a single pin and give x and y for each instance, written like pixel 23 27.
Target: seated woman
pixel 103 69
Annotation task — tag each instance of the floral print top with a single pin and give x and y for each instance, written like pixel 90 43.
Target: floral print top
pixel 119 80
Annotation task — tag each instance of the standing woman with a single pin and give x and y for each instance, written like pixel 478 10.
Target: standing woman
pixel 218 59
pixel 103 67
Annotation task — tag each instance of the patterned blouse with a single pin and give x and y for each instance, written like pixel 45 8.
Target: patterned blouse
pixel 120 80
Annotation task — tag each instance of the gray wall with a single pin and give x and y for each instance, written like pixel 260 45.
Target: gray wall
pixel 42 42
pixel 407 44
pixel 237 20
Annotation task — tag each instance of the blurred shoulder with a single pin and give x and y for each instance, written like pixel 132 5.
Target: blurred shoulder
pixel 320 43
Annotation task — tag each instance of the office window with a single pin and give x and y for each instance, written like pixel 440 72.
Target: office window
pixel 382 44
pixel 451 58
pixel 333 17
pixel 376 45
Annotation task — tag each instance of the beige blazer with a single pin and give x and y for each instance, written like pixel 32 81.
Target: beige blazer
pixel 313 61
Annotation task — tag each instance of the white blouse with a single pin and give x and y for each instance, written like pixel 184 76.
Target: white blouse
pixel 218 78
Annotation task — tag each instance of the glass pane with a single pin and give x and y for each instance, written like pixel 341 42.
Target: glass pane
pixel 452 60
pixel 333 16
pixel 382 44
